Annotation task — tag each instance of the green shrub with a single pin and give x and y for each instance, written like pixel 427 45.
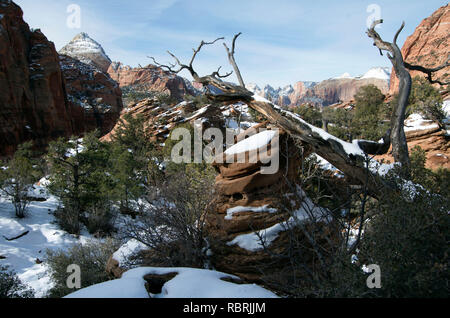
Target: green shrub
pixel 409 241
pixel 370 118
pixel 92 259
pixel 310 114
pixel 11 286
pixel 426 100
pixel 17 179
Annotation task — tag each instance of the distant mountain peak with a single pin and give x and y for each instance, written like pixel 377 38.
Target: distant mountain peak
pixel 345 75
pixel 383 73
pixel 85 49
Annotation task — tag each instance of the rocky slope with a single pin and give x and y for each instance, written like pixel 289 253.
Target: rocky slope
pixel 161 118
pixel 150 79
pixel 94 98
pixel 88 51
pixel 428 46
pixel 325 93
pixel 32 98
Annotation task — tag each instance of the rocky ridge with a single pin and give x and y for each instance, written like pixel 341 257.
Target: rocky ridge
pixel 325 93
pixel 151 79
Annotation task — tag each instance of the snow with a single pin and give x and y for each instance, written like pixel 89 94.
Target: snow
pixel 21 254
pixel 71 152
pixel 252 143
pixel 383 73
pixel 349 148
pixel 83 44
pixel 132 287
pixel 307 211
pixel 239 209
pixel 325 165
pixel 416 122
pixel 446 108
pixel 188 283
pixel 252 242
pixel 345 75
pixel 198 113
pixel 130 248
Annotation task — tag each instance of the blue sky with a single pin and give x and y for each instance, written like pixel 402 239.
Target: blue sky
pixel 283 41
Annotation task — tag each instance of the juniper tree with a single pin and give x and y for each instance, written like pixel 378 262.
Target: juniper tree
pixel 134 162
pixel 368 121
pixel 79 177
pixel 18 177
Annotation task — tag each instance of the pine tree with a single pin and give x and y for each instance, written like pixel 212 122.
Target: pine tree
pixel 79 177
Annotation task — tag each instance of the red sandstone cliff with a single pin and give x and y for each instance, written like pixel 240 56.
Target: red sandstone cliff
pixel 428 46
pixel 32 99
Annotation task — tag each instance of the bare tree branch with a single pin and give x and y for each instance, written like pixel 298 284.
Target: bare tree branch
pixel 232 60
pixel 398 32
pixel 429 71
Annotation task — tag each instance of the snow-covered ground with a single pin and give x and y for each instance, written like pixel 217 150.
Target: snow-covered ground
pixel 188 283
pixel 23 255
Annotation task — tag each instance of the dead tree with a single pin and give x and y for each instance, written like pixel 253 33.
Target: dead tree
pixel 334 150
pixel 398 137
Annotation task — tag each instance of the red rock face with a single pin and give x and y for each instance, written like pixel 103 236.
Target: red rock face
pixel 94 98
pixel 334 91
pixel 32 99
pixel 428 46
pixel 150 78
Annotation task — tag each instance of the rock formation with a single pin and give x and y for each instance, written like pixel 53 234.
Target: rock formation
pixel 333 91
pixel 428 46
pixel 150 79
pixel 88 51
pixel 250 202
pixel 160 118
pixel 94 98
pixel 32 98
